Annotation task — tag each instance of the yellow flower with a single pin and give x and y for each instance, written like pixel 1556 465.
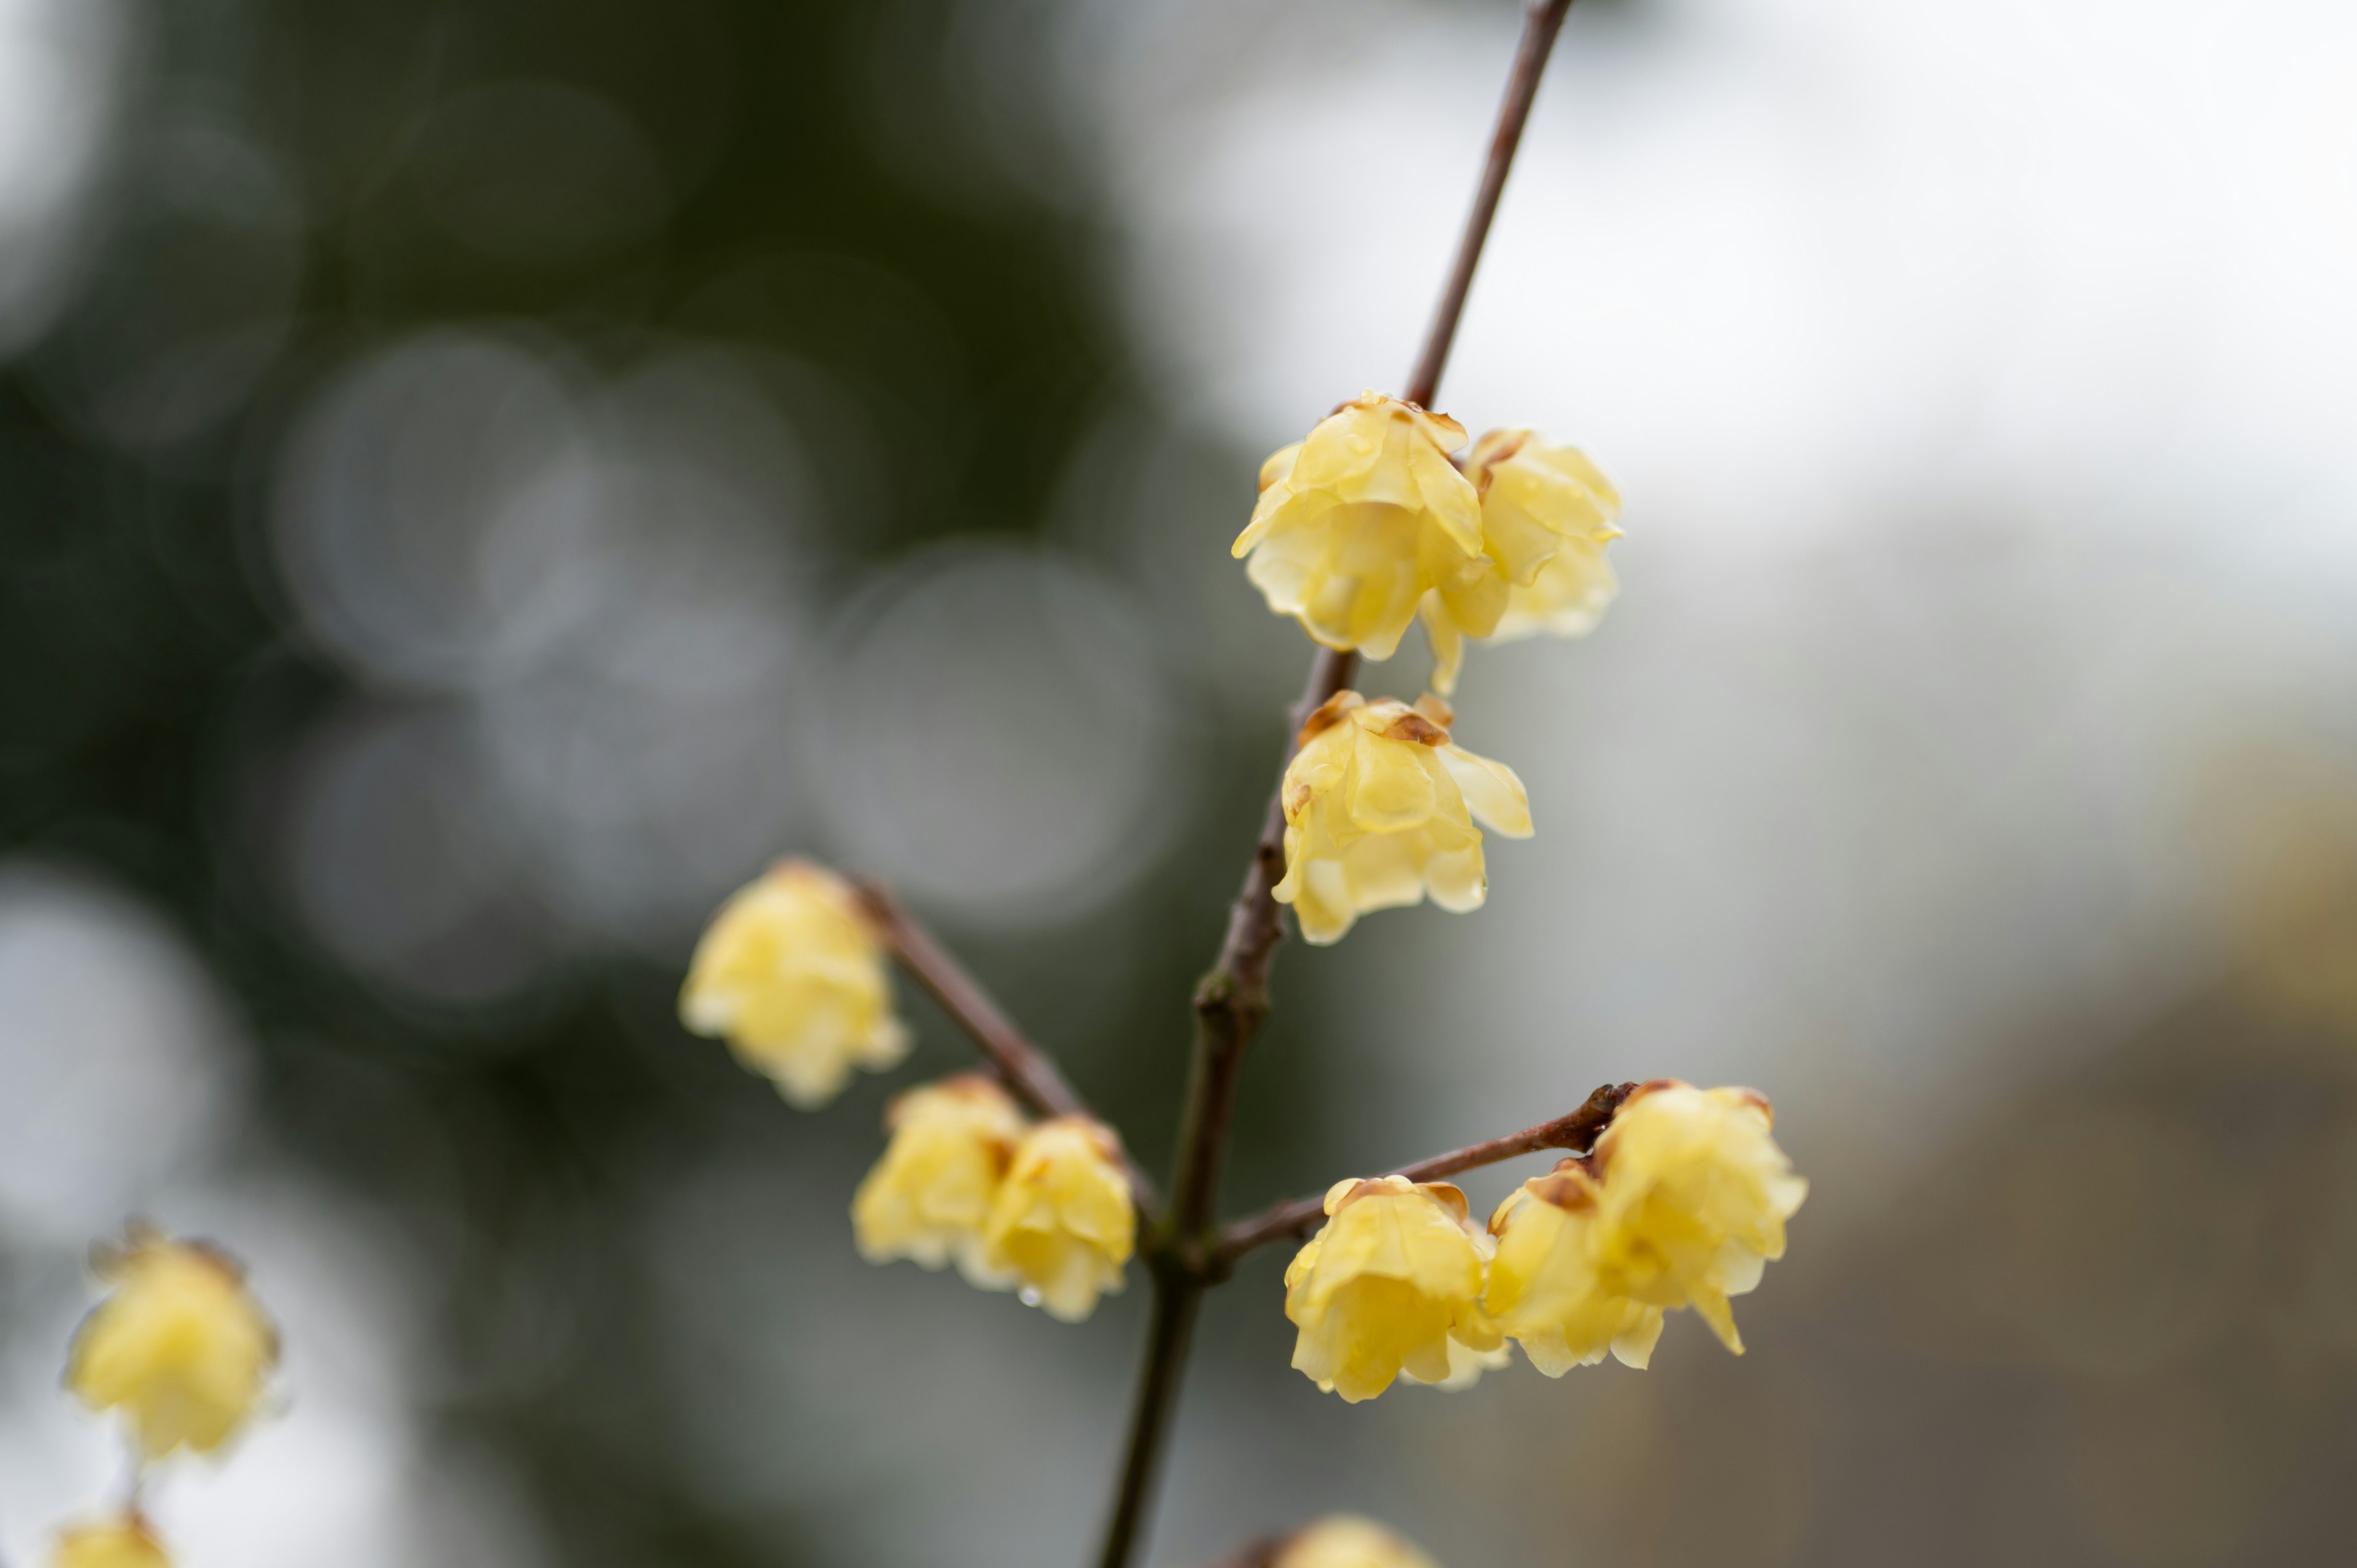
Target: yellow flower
pixel 1692 1199
pixel 928 1196
pixel 1379 810
pixel 1385 1286
pixel 1357 523
pixel 123 1545
pixel 1062 1223
pixel 1543 1290
pixel 180 1348
pixel 1546 515
pixel 1346 1541
pixel 790 972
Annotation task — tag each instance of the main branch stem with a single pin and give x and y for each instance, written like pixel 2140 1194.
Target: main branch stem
pixel 1232 998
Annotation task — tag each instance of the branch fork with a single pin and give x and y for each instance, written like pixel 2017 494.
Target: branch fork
pixel 1183 1250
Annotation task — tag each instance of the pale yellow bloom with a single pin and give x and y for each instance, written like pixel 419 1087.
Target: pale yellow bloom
pixel 791 974
pixel 1346 1541
pixel 180 1348
pixel 1392 1277
pixel 1544 1291
pixel 1063 1221
pixel 1379 810
pixel 127 1544
pixel 927 1198
pixel 1357 523
pixel 1693 1199
pixel 1547 513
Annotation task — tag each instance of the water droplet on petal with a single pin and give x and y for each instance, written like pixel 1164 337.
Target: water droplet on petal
pixel 1029 1296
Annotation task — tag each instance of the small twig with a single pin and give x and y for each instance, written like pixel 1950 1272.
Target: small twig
pixel 1576 1132
pixel 1027 1070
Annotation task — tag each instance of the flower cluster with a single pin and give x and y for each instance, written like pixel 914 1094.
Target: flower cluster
pixel 1684 1206
pixel 791 972
pixel 1368 523
pixel 1046 1208
pixel 791 975
pixel 182 1352
pixel 1379 811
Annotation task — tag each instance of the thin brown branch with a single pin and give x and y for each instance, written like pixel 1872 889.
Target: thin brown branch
pixel 1576 1132
pixel 1232 999
pixel 1028 1072
pixel 1540 25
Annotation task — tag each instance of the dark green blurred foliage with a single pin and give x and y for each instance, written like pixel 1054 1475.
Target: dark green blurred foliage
pixel 791 178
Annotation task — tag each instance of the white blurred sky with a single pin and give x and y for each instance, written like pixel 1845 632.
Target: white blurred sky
pixel 1978 378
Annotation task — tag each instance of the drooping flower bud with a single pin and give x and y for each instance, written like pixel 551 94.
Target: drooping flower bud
pixel 124 1544
pixel 1357 523
pixel 791 975
pixel 1379 811
pixel 180 1348
pixel 1693 1196
pixel 929 1197
pixel 1345 1541
pixel 1392 1277
pixel 1064 1222
pixel 1544 1291
pixel 1547 513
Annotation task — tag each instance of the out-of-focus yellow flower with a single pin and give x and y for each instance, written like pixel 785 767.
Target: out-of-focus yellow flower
pixel 1064 1222
pixel 1357 523
pixel 180 1348
pixel 1379 810
pixel 927 1198
pixel 125 1544
pixel 1547 512
pixel 791 975
pixel 1543 1290
pixel 1345 1541
pixel 1691 1200
pixel 1392 1277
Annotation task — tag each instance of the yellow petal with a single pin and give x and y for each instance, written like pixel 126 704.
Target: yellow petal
pixel 1492 791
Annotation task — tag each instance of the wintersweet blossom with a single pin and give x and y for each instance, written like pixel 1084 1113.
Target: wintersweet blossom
pixel 791 975
pixel 122 1544
pixel 1384 1287
pixel 1345 1541
pixel 1357 525
pixel 1543 1290
pixel 1063 1223
pixel 1379 811
pixel 1692 1195
pixel 1547 513
pixel 180 1348
pixel 927 1198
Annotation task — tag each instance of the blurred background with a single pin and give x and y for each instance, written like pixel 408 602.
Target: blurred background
pixel 478 480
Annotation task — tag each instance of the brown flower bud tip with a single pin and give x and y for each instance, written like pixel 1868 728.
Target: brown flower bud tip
pixel 1329 714
pixel 1413 726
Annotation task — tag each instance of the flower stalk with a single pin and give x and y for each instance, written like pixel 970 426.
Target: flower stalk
pixel 1575 1133
pixel 1028 1072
